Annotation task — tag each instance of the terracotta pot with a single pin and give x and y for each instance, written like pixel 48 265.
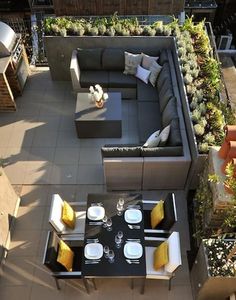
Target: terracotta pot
pixel 230 156
pixel 224 149
pixel 230 131
pixel 228 190
pixel 100 103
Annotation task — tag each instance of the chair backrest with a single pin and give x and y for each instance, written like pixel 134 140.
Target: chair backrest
pixel 170 216
pixel 55 214
pixel 174 252
pixel 51 252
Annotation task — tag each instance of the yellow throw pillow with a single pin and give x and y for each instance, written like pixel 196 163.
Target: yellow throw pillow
pixel 65 256
pixel 161 256
pixel 157 214
pixel 68 215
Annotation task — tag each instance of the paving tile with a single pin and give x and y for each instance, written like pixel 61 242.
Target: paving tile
pixel 42 154
pixel 90 174
pixel 180 292
pixel 23 138
pixel 24 243
pixel 48 123
pixel 37 172
pixel 30 218
pixel 67 155
pixel 67 192
pixel 39 292
pixel 16 172
pixel 34 195
pixel 68 138
pixel 90 156
pixel 67 123
pixel 15 154
pixel 45 138
pixel 114 289
pixel 82 191
pixel 93 143
pixel 63 174
pixel 15 293
pixel 17 271
pixel 74 289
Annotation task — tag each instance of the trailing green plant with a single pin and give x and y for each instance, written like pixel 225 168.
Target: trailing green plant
pixel 148 30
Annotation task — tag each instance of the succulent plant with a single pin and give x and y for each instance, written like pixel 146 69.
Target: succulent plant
pixel 202 121
pixel 188 79
pixel 203 147
pixel 138 30
pixel 55 28
pixel 118 28
pixel 194 104
pixel 189 47
pixel 194 73
pixel 191 89
pixel 181 51
pixel 102 29
pixel 158 27
pixel 87 28
pixel 209 138
pixel 199 95
pixel 202 108
pixel 166 30
pixel 195 115
pixel 125 32
pixel 93 31
pixel 63 32
pixel 110 31
pixel 80 30
pixel 148 30
pixel 198 129
pixel 185 69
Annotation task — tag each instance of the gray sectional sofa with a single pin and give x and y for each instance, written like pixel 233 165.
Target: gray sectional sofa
pixel 133 167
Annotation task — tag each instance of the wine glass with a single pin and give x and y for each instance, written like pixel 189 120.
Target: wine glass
pixel 111 256
pixel 109 224
pixel 121 201
pixel 118 241
pixel 120 234
pixel 106 251
pixel 104 220
pixel 119 209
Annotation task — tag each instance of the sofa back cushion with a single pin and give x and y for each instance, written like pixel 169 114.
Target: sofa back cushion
pixel 162 151
pixel 169 113
pixel 163 57
pixel 113 59
pixel 175 134
pixel 121 150
pixel 163 76
pixel 90 59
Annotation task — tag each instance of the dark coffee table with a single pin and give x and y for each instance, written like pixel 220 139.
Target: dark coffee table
pixel 93 122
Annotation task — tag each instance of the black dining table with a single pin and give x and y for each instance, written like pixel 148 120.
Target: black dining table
pixel 120 268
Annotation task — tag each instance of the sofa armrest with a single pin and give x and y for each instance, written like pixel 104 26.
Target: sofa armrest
pixel 75 71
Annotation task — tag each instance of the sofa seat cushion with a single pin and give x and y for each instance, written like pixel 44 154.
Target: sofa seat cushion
pixel 169 113
pixel 146 92
pixel 113 59
pixel 129 150
pixel 148 111
pixel 90 59
pixel 162 151
pixel 120 80
pixel 88 78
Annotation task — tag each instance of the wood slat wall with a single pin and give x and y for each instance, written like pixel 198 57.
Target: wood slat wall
pixel 123 7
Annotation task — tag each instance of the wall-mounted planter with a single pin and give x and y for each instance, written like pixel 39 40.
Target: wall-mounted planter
pixel 59 49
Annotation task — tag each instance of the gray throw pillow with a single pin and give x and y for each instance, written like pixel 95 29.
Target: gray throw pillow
pixel 164 136
pixel 131 63
pixel 148 60
pixel 153 140
pixel 155 69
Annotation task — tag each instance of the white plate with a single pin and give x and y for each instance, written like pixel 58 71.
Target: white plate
pixel 96 213
pixel 133 250
pixel 93 251
pixel 133 216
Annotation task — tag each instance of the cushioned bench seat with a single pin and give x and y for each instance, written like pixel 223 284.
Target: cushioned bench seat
pixel 118 79
pixel 88 78
pixel 146 92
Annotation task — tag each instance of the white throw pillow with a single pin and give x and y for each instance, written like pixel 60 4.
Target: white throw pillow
pixel 148 60
pixel 153 140
pixel 154 69
pixel 131 62
pixel 164 135
pixel 142 74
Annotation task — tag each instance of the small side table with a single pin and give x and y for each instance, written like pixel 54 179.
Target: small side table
pixel 93 122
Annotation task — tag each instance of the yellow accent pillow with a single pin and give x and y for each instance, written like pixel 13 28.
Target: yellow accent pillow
pixel 65 256
pixel 68 215
pixel 157 214
pixel 161 256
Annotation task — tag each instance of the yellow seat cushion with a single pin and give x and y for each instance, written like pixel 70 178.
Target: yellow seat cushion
pixel 157 214
pixel 68 215
pixel 161 256
pixel 65 256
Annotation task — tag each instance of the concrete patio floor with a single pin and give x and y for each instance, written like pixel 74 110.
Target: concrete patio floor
pixel 42 156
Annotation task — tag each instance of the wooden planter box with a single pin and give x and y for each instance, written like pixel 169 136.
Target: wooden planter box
pixel 205 286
